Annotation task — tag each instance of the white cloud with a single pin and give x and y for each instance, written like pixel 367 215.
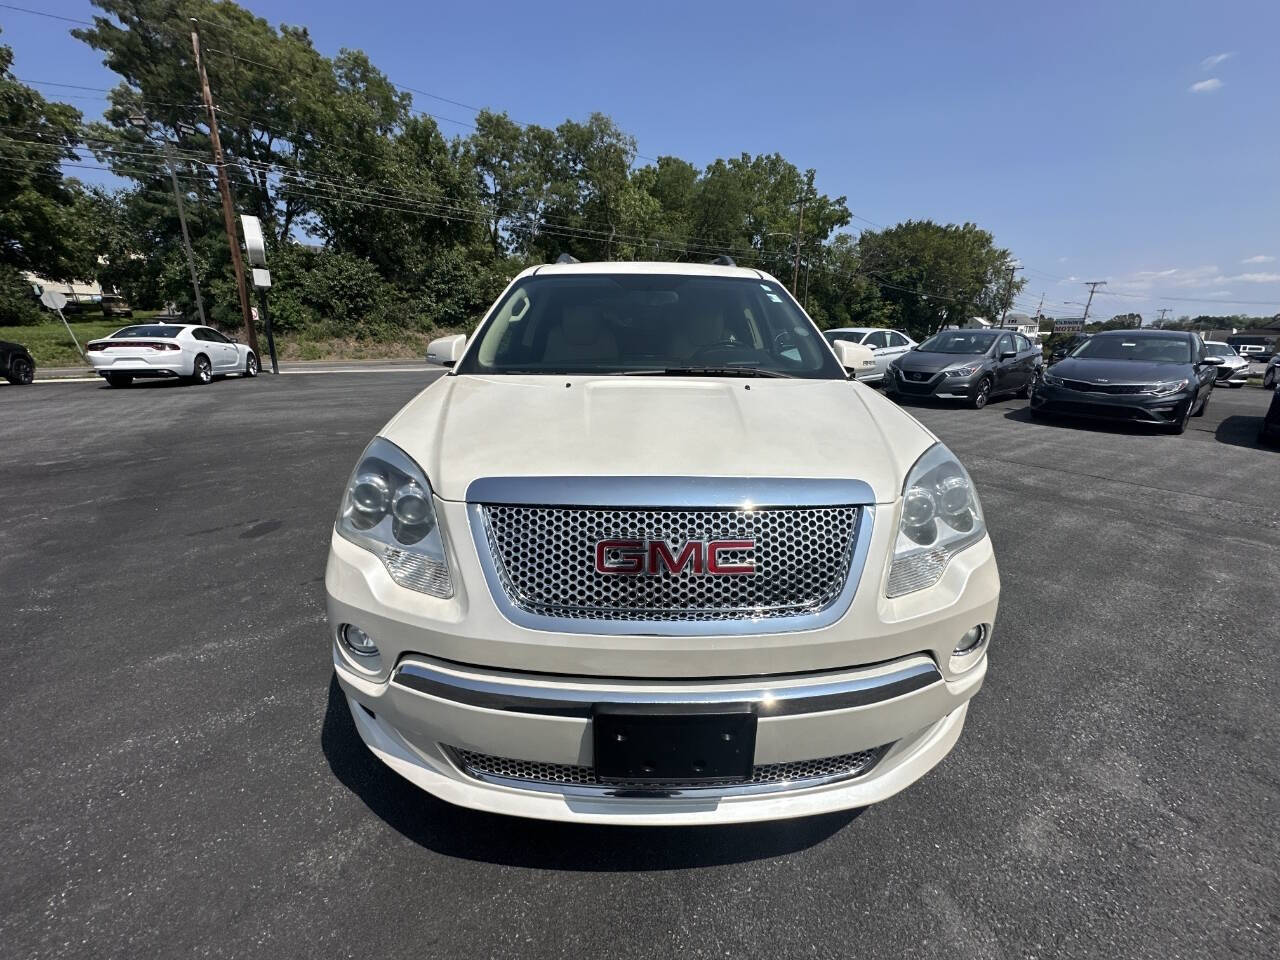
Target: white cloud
pixel 1062 259
pixel 1218 293
pixel 1206 86
pixel 1208 63
pixel 1253 278
pixel 1260 258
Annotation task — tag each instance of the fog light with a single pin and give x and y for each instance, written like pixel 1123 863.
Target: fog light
pixel 971 641
pixel 357 641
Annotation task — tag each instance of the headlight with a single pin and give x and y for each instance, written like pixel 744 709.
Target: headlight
pixel 968 370
pixel 941 516
pixel 387 510
pixel 1050 380
pixel 1167 387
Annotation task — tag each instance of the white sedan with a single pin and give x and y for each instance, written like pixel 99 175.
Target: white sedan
pixel 886 344
pixel 194 353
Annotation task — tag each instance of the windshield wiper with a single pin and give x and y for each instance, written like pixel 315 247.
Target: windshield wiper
pixel 707 372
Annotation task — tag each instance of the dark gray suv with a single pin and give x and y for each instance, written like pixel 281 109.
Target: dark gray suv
pixel 972 365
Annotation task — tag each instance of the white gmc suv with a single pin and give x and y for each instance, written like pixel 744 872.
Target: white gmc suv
pixel 647 555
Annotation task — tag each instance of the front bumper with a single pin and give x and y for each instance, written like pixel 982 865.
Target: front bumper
pixel 1236 377
pixel 455 679
pixel 934 384
pixel 1139 408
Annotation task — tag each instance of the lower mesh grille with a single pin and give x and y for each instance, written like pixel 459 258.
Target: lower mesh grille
pixel 770 776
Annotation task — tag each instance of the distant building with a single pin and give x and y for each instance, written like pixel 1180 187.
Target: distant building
pixel 78 291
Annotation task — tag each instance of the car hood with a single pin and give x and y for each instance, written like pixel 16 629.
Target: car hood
pixel 465 427
pixel 1120 371
pixel 921 361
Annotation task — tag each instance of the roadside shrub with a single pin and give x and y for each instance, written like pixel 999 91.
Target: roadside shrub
pixel 18 308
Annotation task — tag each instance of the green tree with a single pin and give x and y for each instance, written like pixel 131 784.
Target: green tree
pixel 934 275
pixel 38 230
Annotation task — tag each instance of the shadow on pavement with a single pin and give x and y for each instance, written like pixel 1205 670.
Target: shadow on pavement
pixel 511 841
pixel 1240 430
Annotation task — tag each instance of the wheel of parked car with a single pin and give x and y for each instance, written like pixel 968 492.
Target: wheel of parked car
pixel 981 394
pixel 1269 378
pixel 251 366
pixel 1025 392
pixel 1204 406
pixel 1181 425
pixel 21 371
pixel 118 379
pixel 203 371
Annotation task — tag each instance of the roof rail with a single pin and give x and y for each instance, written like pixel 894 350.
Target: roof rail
pixel 724 260
pixel 567 258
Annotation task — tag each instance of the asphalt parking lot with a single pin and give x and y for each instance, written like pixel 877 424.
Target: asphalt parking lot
pixel 182 779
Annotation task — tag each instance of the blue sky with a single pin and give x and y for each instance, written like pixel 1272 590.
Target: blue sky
pixel 1133 143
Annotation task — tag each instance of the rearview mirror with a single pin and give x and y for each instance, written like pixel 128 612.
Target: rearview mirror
pixel 447 351
pixel 854 357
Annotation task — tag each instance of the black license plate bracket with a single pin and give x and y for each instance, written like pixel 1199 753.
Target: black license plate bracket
pixel 682 743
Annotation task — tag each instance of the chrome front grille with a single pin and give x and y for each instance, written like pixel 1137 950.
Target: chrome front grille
pixel 563 777
pixel 545 561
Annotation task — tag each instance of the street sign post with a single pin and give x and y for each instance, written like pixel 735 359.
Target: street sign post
pixel 56 301
pixel 255 247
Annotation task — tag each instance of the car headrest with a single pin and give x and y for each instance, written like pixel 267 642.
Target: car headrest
pixel 581 323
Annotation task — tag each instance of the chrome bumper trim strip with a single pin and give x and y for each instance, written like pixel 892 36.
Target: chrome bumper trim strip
pixel 825 692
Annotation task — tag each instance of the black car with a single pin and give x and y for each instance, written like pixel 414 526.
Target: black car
pixel 1146 376
pixel 16 363
pixel 1269 432
pixel 972 365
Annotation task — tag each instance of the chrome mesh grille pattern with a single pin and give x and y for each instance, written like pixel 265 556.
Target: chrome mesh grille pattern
pixel 792 775
pixel 545 558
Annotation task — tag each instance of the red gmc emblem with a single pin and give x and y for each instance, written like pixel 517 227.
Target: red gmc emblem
pixel 652 557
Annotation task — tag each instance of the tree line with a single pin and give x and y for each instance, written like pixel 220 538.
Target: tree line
pixel 378 222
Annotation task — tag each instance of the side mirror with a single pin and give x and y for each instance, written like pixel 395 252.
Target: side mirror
pixel 854 357
pixel 1008 354
pixel 447 350
pixel 870 346
pixel 1213 361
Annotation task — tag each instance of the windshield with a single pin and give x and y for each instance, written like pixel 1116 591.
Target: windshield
pixel 960 341
pixel 1147 348
pixel 148 332
pixel 649 324
pixel 1219 350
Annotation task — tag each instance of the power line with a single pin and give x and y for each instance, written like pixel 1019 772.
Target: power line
pixel 41 13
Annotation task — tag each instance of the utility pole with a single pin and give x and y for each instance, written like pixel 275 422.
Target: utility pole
pixel 186 237
pixel 795 272
pixel 1160 321
pixel 1040 307
pixel 1008 295
pixel 140 121
pixel 224 188
pixel 1092 285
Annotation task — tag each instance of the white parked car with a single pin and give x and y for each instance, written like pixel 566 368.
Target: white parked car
pixel 885 344
pixel 646 555
pixel 1234 369
pixel 195 353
